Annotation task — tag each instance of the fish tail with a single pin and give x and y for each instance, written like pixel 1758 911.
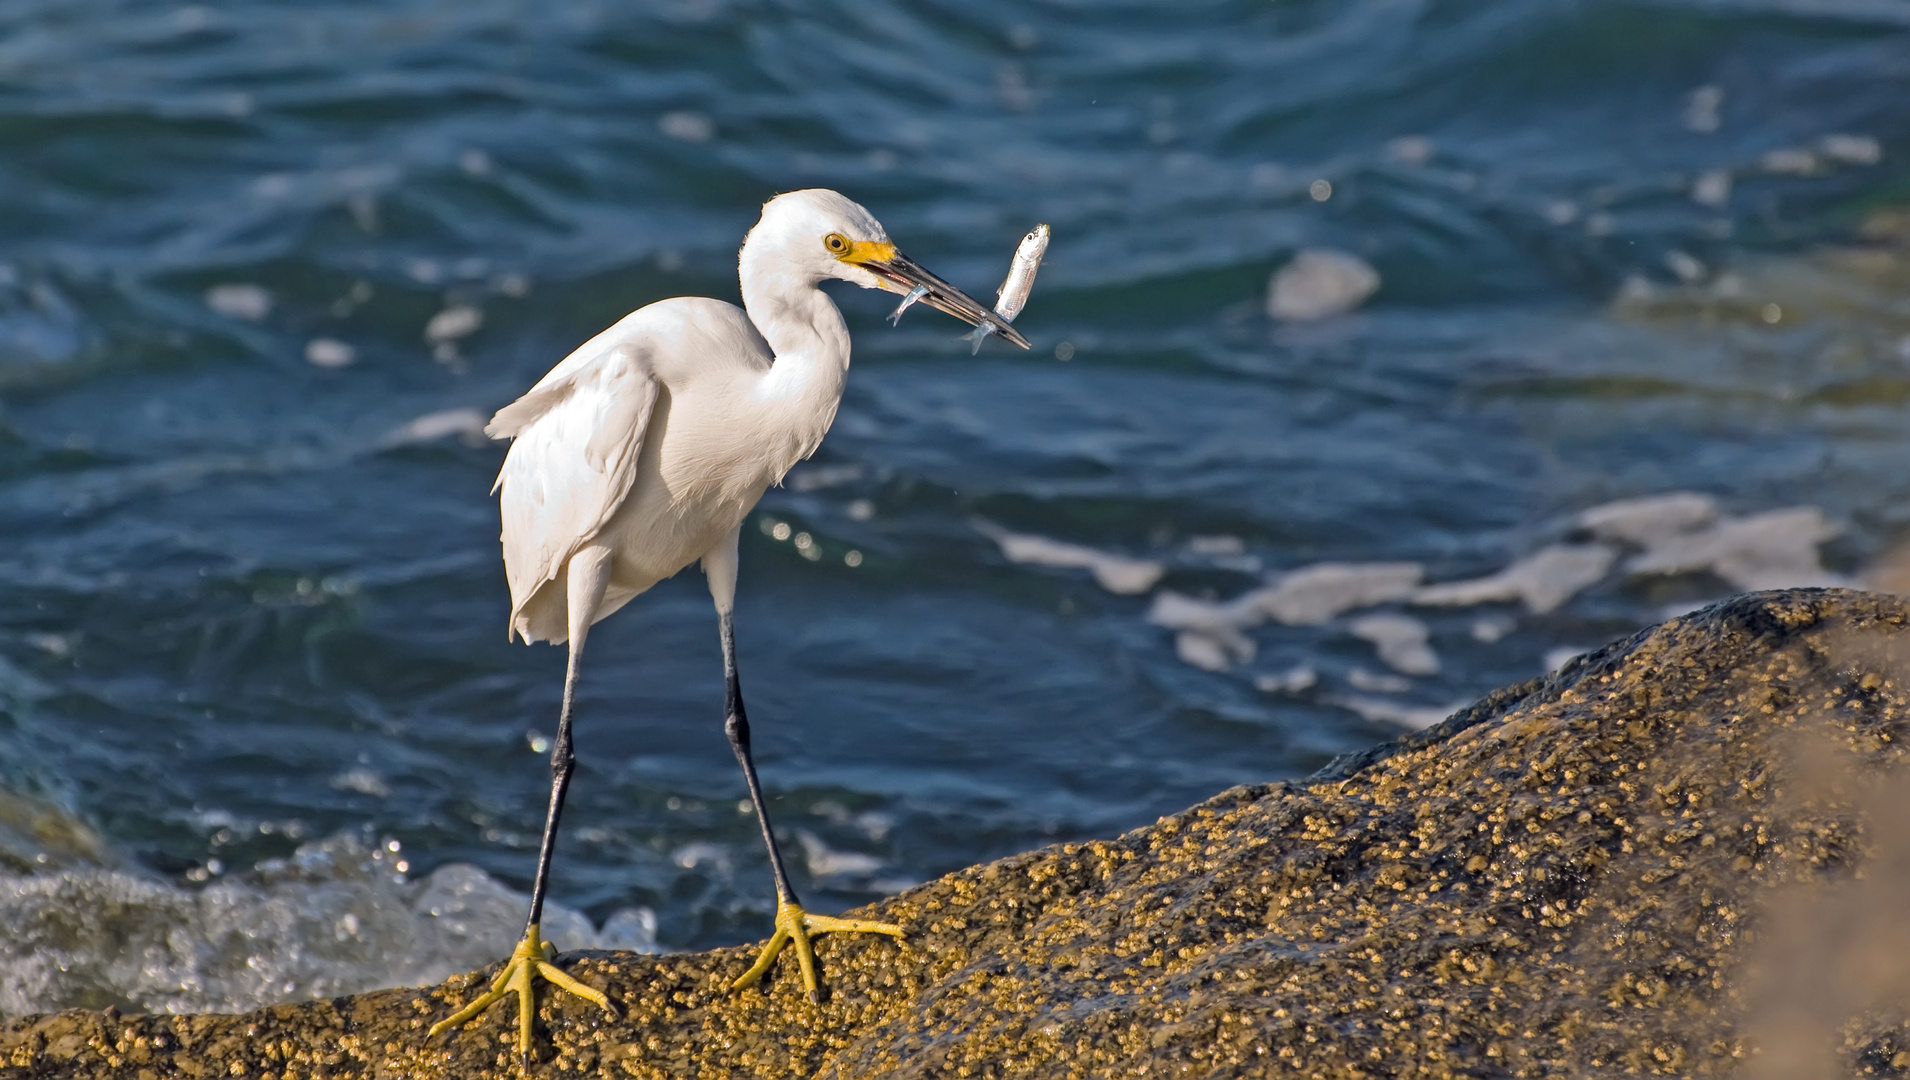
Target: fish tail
pixel 895 317
pixel 976 335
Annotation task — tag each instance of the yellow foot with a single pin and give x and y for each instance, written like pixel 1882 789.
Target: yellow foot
pixel 532 956
pixel 793 924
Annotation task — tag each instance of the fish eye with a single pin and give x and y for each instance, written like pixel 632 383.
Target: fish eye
pixel 837 243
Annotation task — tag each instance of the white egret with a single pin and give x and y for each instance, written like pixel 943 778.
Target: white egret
pixel 644 450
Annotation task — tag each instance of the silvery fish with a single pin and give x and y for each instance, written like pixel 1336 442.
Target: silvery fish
pixel 1013 294
pixel 895 317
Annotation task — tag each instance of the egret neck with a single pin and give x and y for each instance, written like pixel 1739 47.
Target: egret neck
pixel 810 343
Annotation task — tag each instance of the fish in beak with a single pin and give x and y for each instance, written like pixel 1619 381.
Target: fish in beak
pixel 902 274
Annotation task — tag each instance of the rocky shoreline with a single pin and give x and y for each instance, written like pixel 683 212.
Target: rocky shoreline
pixel 1680 855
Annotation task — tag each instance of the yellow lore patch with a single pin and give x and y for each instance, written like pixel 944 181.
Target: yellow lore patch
pixel 863 251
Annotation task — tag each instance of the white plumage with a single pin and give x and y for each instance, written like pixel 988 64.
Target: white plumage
pixel 656 437
pixel 640 442
pixel 643 451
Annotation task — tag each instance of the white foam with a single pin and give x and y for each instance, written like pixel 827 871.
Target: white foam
pixel 1319 284
pixel 1411 149
pixel 1213 651
pixel 631 929
pixel 1773 550
pixel 1390 711
pixel 1177 611
pixel 1225 552
pixel 1646 520
pixel 1789 161
pixel 1557 658
pixel 1683 532
pixel 1487 629
pixel 362 780
pixel 1376 682
pixel 1543 581
pixel 687 126
pixel 697 852
pixel 1712 188
pixel 329 353
pixel 812 477
pixel 1703 109
pixel 240 300
pixel 467 424
pixel 59 645
pixel 1685 265
pixel 454 322
pixel 1212 633
pixel 1292 681
pixel 1401 640
pixel 826 862
pixel 1315 594
pixel 333 919
pixel 1851 149
pixel 1216 545
pixel 873 824
pixel 1115 573
pixel 464 912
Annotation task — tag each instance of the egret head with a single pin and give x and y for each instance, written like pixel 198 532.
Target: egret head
pixel 819 234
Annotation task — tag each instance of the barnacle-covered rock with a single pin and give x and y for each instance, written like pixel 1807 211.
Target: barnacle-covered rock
pixel 1682 855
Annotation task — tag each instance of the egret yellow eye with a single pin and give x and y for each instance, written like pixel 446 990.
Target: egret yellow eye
pixel 837 243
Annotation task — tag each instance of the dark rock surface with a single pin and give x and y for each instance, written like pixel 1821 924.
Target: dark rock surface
pixel 1680 856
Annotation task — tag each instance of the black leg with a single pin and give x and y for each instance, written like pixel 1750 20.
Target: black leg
pixel 529 960
pixel 588 572
pixel 563 762
pixel 736 726
pixel 794 926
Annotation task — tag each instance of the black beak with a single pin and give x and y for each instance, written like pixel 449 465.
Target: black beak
pixel 941 296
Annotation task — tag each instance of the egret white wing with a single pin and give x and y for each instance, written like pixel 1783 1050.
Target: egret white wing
pixel 579 434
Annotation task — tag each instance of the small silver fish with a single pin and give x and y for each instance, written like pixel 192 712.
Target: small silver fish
pixel 1013 294
pixel 895 317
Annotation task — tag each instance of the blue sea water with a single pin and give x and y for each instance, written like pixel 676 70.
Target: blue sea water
pixel 264 268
